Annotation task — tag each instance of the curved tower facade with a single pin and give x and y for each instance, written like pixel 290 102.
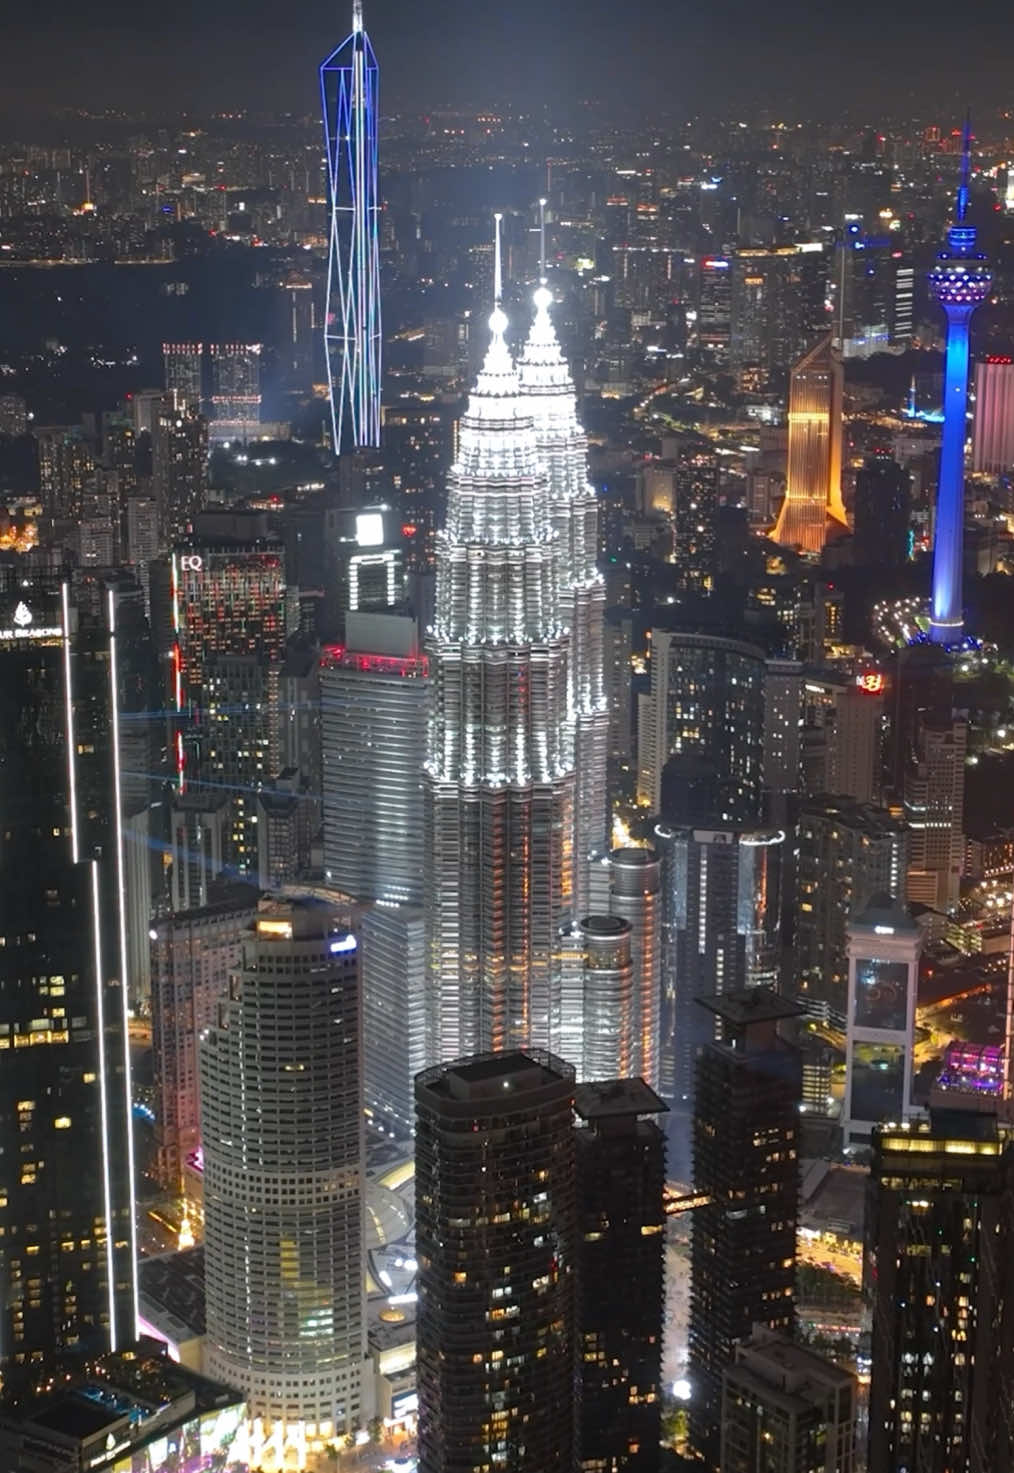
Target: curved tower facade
pixel 349 80
pixel 499 770
pixel 547 393
pixel 960 281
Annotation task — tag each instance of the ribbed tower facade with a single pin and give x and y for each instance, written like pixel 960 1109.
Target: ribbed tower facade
pixel 960 281
pixel 499 770
pixel 813 505
pixel 547 393
pixel 349 81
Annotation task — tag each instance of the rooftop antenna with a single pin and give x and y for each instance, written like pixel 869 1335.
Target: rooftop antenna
pixel 497 268
pixel 542 241
pixel 357 15
pixel 966 161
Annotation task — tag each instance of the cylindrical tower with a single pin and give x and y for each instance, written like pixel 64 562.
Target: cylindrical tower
pixel 960 281
pixel 626 884
pixel 282 1128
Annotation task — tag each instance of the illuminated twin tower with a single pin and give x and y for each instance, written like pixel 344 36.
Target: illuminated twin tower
pixel 349 80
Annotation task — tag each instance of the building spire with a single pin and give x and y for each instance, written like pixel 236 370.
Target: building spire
pixel 357 15
pixel 966 161
pixel 542 242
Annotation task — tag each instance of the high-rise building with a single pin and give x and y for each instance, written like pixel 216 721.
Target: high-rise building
pixel 199 820
pixel 884 945
pixel 374 696
pixel 785 1407
pixel 703 724
pixel 349 80
pixel 179 467
pixel 66 463
pixel 881 513
pixel 393 958
pixel 193 954
pixel 499 769
pixel 497 1245
pixel 282 1133
pixel 235 402
pixel 68 1248
pixel 183 364
pixel 714 313
pixel 13 415
pixel 813 503
pixel 547 393
pixel 721 927
pixel 933 797
pixel 625 884
pixel 993 416
pixel 746 1166
pixel 695 519
pixel 940 1270
pixel 822 732
pixel 620 1274
pixel 227 589
pixel 960 281
pixel 598 1032
pixel 847 852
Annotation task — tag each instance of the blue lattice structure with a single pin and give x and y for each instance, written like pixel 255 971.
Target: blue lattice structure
pixel 349 80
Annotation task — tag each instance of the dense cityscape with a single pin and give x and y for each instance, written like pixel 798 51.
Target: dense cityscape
pixel 507 781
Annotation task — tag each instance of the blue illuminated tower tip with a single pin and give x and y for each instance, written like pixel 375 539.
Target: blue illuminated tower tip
pixel 349 80
pixel 960 280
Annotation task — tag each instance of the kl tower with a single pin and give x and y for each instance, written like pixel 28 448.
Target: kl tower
pixel 960 280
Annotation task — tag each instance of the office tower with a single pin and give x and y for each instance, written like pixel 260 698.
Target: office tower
pixel 374 696
pixel 933 800
pixel 785 1407
pixel 179 467
pixel 547 393
pixel 714 314
pixel 940 1266
pixel 703 722
pixel 393 959
pixel 239 745
pixel 143 544
pixel 199 821
pixel 777 306
pixel 884 944
pixel 618 648
pixel 286 824
pixel 813 505
pixel 620 1274
pixel 695 519
pixel 68 1248
pixel 66 463
pixel 625 883
pixel 298 340
pixel 235 403
pixel 349 80
pixel 183 364
pixel 822 732
pixel 960 282
pixel 282 1130
pixel 921 690
pixel 418 450
pixel 881 513
pixel 847 852
pixel 745 1146
pixel 496 1240
pixel 993 416
pixel 227 591
pixel 499 770
pixel 721 927
pixel 598 1028
pixel 376 570
pixel 13 415
pixel 193 955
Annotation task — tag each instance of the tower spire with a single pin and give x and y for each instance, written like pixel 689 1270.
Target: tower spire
pixel 542 242
pixel 497 266
pixel 966 162
pixel 357 15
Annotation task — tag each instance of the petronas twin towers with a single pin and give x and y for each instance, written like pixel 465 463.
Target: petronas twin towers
pixel 515 768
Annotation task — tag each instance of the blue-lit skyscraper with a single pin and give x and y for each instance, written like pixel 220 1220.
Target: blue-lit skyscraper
pixel 960 280
pixel 349 80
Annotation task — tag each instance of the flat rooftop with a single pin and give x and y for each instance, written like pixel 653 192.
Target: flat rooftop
pixel 751 1005
pixel 616 1097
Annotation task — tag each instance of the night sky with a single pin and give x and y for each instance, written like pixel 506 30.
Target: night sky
pixel 801 56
